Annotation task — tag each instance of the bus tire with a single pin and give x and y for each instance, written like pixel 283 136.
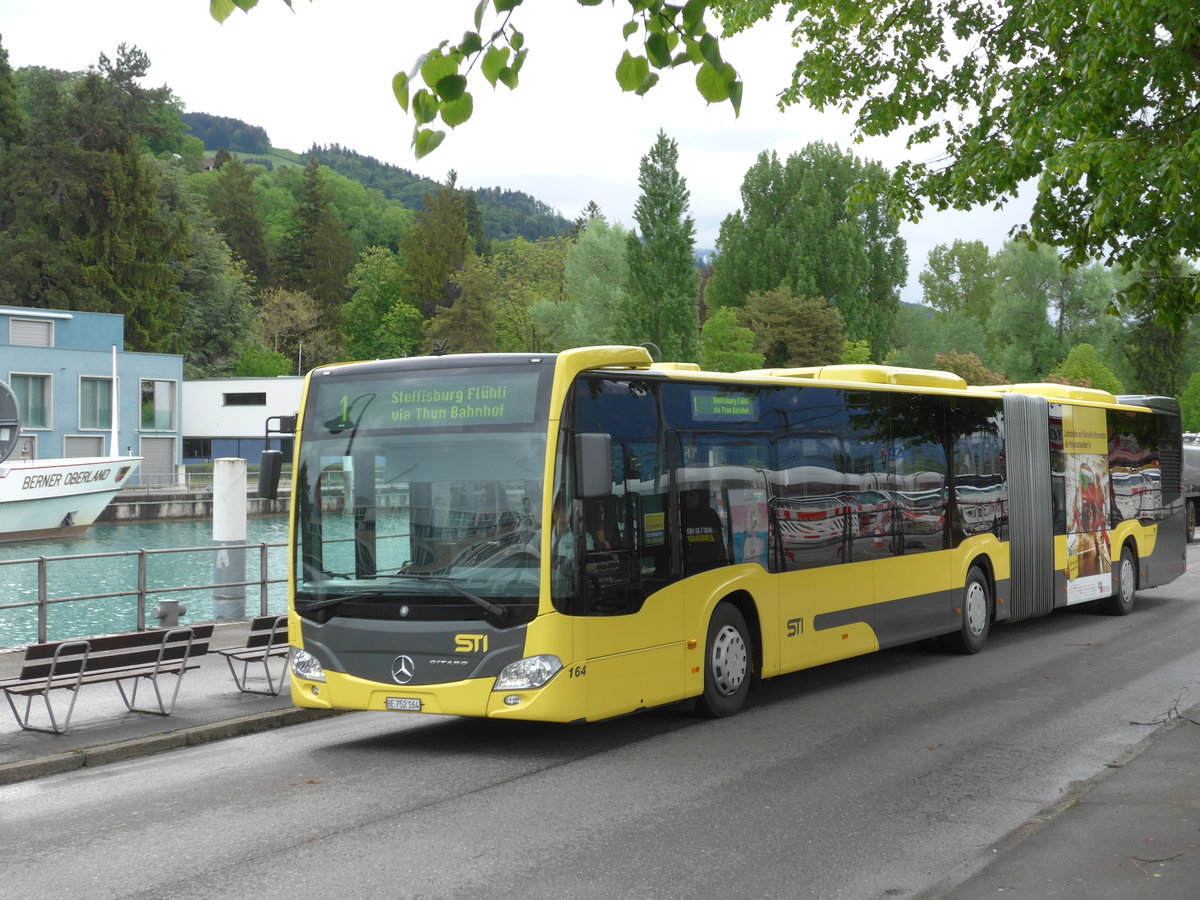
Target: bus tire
pixel 727 663
pixel 1191 519
pixel 976 615
pixel 1121 602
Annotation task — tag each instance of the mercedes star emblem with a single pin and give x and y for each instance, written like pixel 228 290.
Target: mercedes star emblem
pixel 403 669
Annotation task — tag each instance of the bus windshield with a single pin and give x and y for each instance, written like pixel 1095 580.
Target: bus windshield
pixel 419 495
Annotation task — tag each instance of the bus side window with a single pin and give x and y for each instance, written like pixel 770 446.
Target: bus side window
pixel 704 545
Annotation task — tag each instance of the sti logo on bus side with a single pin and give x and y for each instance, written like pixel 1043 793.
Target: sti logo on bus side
pixel 470 643
pixel 795 627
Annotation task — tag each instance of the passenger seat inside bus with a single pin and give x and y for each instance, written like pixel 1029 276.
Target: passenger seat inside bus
pixel 703 532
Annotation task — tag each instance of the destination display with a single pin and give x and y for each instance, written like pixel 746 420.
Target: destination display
pixel 724 406
pixel 423 401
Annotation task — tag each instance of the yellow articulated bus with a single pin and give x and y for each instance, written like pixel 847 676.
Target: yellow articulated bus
pixel 574 536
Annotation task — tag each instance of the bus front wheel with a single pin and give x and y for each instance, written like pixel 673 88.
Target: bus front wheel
pixel 976 615
pixel 727 665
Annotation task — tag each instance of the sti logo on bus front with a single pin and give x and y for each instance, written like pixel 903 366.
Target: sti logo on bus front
pixel 470 643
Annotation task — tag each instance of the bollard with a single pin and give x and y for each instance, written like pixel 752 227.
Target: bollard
pixel 229 530
pixel 168 613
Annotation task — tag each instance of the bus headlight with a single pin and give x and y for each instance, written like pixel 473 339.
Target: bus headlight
pixel 528 673
pixel 305 665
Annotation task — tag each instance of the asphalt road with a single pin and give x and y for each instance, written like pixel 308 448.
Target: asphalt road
pixel 877 777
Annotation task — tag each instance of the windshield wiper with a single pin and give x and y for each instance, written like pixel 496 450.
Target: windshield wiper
pixel 500 613
pixel 342 598
pixel 487 606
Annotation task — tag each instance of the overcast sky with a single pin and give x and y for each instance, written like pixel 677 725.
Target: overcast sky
pixel 567 135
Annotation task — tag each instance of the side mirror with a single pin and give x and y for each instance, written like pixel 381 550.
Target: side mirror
pixel 268 474
pixel 593 465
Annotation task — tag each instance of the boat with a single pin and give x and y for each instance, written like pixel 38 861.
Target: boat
pixel 52 498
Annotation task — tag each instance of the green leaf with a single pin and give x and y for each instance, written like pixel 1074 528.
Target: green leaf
pixel 451 87
pixel 503 6
pixel 424 106
pixel 426 140
pixel 589 2
pixel 519 60
pixel 435 68
pixel 736 96
pixel 470 44
pixel 712 84
pixel 658 51
pixel 710 49
pixel 494 59
pixel 632 71
pixel 508 77
pixel 693 14
pixel 651 81
pixel 400 89
pixel 220 9
pixel 629 28
pixel 479 13
pixel 455 112
pixel 516 40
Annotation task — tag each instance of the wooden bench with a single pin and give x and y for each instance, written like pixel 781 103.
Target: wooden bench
pixel 134 656
pixel 267 639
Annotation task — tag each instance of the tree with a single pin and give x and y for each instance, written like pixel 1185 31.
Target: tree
pixel 1154 347
pixel 256 361
pixel 662 286
pixel 1189 403
pixel 968 367
pixel 792 331
pixel 291 324
pixel 800 226
pixel 526 274
pixel 375 286
pixel 594 285
pixel 726 346
pixel 433 249
pixel 1094 104
pixel 1083 367
pixel 317 254
pixel 469 323
pixel 960 278
pixel 11 117
pixel 235 208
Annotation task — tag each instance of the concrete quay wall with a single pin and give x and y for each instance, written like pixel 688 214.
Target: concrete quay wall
pixel 137 505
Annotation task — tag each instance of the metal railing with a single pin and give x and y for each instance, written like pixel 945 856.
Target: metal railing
pixel 141 591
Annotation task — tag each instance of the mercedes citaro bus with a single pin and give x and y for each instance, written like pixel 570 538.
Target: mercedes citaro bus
pixel 573 536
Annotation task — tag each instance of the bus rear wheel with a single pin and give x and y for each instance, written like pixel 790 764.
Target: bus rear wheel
pixel 1121 601
pixel 727 666
pixel 976 615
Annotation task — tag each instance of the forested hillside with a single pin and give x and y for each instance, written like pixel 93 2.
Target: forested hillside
pixel 505 214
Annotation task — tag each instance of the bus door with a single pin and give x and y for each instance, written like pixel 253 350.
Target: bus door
pixel 825 533
pixel 628 631
pixel 914 579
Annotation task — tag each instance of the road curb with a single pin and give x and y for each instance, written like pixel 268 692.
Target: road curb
pixel 103 754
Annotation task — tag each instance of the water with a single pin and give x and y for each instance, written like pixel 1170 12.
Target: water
pixel 69 578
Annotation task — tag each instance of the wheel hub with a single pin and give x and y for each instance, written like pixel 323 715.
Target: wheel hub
pixel 730 661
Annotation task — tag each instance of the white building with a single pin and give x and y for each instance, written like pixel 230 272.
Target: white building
pixel 227 417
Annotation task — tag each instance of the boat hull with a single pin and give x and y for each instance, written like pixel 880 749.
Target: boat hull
pixel 52 498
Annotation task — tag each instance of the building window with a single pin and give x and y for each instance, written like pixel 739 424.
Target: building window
pixel 31 332
pixel 197 448
pixel 33 397
pixel 158 405
pixel 95 403
pixel 245 399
